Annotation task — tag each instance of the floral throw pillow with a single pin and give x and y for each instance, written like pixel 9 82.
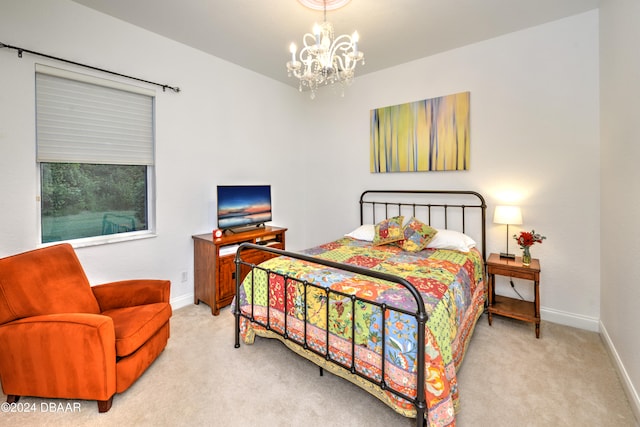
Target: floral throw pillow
pixel 417 235
pixel 388 231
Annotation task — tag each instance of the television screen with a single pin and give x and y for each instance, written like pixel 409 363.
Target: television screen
pixel 243 205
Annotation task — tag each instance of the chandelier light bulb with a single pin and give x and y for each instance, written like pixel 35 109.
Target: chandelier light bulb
pixel 292 49
pixel 355 38
pixel 316 32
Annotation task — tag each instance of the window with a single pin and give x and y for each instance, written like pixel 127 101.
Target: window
pixel 95 152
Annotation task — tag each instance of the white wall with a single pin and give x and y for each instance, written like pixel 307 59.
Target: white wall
pixel 534 132
pixel 534 114
pixel 227 125
pixel 620 135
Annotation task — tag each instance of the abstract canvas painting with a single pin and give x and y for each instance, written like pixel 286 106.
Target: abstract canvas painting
pixel 427 135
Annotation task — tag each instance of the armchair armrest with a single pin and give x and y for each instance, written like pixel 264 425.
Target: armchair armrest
pixel 70 355
pixel 129 293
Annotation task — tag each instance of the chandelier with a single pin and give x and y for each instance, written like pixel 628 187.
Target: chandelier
pixel 325 60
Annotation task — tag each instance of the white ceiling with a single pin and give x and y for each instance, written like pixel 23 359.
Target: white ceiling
pixel 256 34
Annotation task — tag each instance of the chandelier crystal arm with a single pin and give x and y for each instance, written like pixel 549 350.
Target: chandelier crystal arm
pixel 343 43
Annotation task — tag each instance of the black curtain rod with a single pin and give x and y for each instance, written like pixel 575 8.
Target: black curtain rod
pixel 21 50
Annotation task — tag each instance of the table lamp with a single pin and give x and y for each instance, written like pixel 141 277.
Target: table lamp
pixel 509 215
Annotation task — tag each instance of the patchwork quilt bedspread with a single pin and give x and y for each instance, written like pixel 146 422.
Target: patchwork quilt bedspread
pixel 451 284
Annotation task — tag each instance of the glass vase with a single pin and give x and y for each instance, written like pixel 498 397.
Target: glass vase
pixel 526 256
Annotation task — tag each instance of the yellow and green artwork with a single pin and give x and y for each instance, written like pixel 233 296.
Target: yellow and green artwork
pixel 427 135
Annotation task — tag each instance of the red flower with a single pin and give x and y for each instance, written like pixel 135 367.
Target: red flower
pixel 527 239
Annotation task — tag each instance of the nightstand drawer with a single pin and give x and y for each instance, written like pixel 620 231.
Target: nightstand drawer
pixel 520 273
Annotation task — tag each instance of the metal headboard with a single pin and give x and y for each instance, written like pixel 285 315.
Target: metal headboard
pixel 449 209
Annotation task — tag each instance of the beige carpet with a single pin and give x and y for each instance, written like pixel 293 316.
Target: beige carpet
pixel 508 378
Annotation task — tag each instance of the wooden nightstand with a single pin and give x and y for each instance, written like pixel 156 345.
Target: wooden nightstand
pixel 528 311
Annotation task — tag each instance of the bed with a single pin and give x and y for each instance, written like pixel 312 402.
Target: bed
pixel 391 313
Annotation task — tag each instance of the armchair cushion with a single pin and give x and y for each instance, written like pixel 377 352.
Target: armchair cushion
pixel 134 326
pixel 54 274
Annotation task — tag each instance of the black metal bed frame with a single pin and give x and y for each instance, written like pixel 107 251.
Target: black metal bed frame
pixel 397 208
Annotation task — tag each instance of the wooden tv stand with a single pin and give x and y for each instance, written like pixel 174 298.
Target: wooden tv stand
pixel 214 267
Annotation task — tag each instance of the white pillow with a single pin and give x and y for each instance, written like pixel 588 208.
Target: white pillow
pixel 364 232
pixel 449 239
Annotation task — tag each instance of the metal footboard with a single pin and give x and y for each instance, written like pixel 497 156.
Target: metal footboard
pixel 419 401
pixel 458 210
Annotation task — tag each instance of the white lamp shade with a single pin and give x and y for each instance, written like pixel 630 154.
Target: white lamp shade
pixel 507 215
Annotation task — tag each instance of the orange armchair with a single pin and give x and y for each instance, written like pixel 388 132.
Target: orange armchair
pixel 62 338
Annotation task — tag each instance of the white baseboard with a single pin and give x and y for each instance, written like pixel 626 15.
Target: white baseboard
pixel 181 301
pixel 570 319
pixel 630 390
pixel 595 325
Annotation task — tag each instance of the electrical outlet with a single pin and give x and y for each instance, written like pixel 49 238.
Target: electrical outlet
pixel 185 276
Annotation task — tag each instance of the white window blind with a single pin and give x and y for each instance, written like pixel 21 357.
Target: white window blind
pixel 83 119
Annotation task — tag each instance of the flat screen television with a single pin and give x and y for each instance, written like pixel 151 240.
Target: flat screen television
pixel 243 205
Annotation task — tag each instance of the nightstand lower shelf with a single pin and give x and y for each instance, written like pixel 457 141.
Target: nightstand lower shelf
pixel 514 308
